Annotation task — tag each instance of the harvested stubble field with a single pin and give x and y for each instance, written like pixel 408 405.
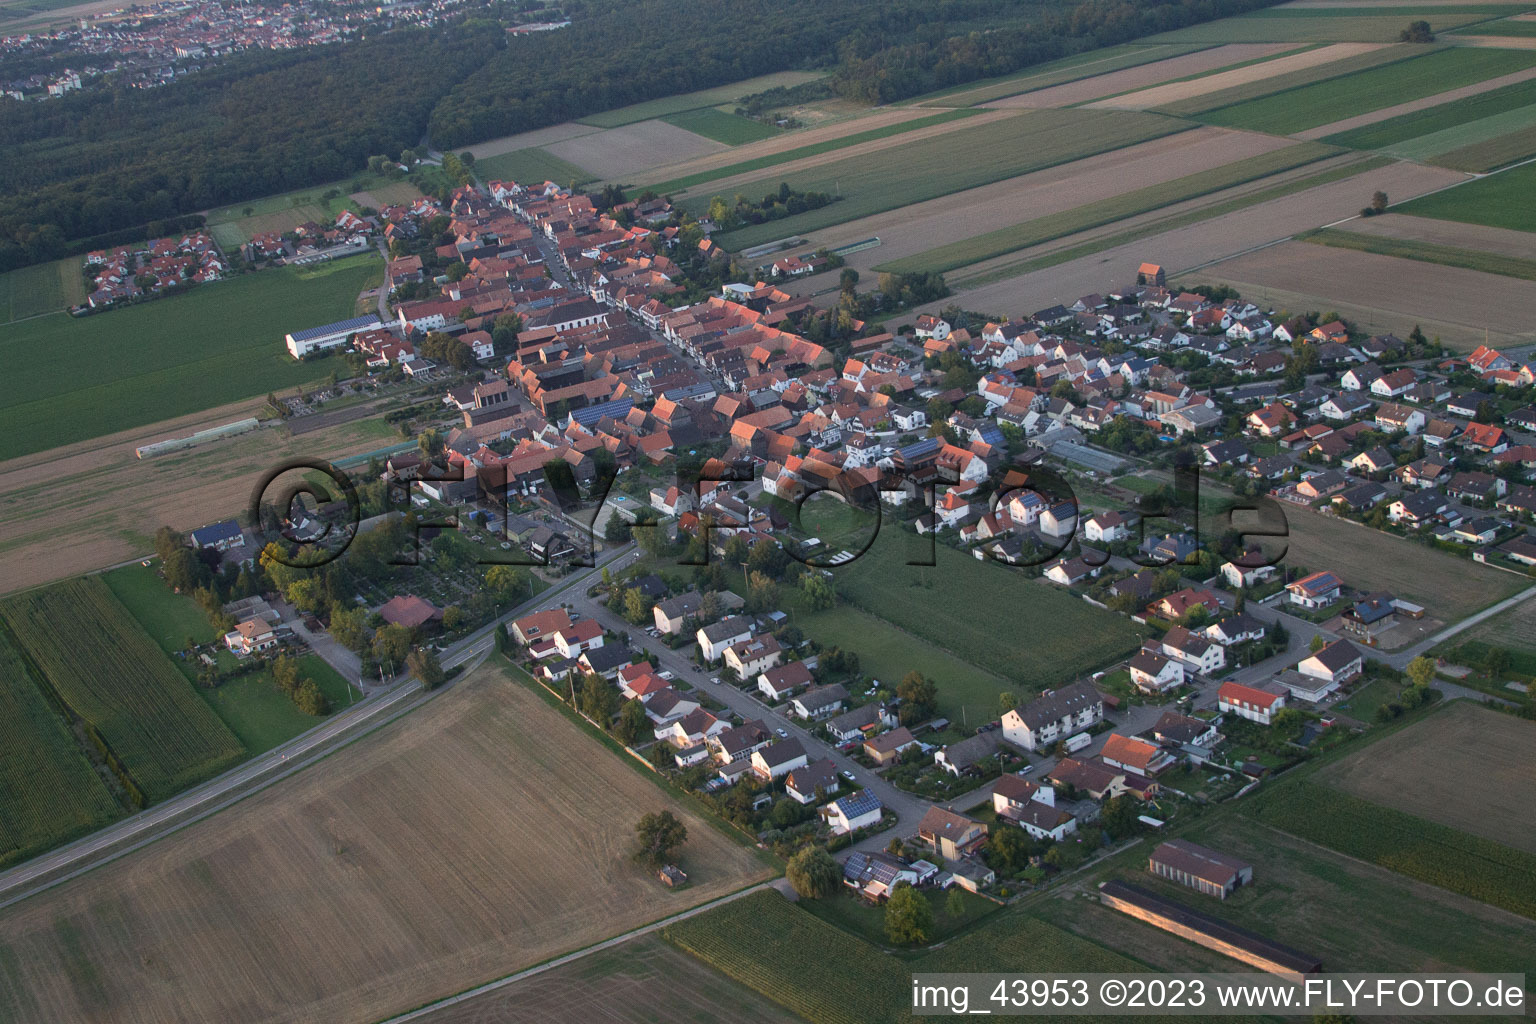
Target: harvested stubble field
pixel 480 835
pixel 1010 285
pixel 618 154
pixel 1427 252
pixel 1385 293
pixel 799 145
pixel 1141 76
pixel 642 981
pixel 1009 146
pixel 76 378
pixel 49 792
pixel 963 215
pixel 1160 96
pixel 1260 162
pixel 1247 84
pixel 1457 767
pixel 1056 72
pixel 96 658
pixel 1514 629
pixel 1450 588
pixel 1332 100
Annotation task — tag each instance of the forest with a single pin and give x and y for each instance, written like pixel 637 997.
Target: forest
pixel 104 163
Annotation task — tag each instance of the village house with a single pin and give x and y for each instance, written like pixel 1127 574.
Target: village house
pixel 950 835
pixel 1317 590
pixel 1054 716
pixel 748 658
pixel 1249 702
pixel 716 638
pixel 1032 807
pixel 888 747
pixel 1134 755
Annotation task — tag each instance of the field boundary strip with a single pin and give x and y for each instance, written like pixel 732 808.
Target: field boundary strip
pixel 1425 252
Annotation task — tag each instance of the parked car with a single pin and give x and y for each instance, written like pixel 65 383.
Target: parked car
pixel 783 733
pixel 715 680
pixel 667 674
pixel 849 776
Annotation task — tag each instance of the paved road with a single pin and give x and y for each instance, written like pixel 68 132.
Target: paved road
pixel 373 711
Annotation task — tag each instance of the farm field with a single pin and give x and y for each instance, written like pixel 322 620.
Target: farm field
pixel 713 123
pixel 391 194
pixel 721 94
pixel 231 226
pixel 1334 99
pixel 1384 293
pixel 1141 76
pixel 761 940
pixel 1067 69
pixel 1256 80
pixel 1013 145
pixel 1256 71
pixel 1353 916
pixel 135 366
pixel 95 656
pixel 1435 115
pixel 1334 23
pixel 799 145
pixel 529 140
pixel 1498 201
pixel 60 490
pixel 1504 27
pixel 1149 198
pixel 1027 281
pixel 49 792
pixel 532 165
pixel 642 981
pixel 1457 767
pixel 1426 252
pixel 1450 588
pixel 1000 623
pixel 1514 628
pixel 620 153
pixel 962 215
pixel 43 288
pixel 479 835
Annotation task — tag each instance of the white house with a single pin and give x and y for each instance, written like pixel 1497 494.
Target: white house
pixel 1249 702
pixel 753 656
pixel 1054 716
pixel 1153 673
pixel 714 639
pixel 850 813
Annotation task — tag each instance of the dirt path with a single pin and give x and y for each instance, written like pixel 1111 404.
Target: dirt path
pixel 1070 93
pixel 1412 106
pixel 1173 92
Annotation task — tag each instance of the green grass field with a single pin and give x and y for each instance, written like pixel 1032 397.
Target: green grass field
pixel 1449 126
pixel 1291 79
pixel 1428 252
pixel 1524 29
pixel 675 185
pixel 531 165
pixel 73 379
pixel 830 976
pixel 98 659
pixel 713 123
pixel 720 94
pixel 1410 845
pixel 984 613
pixel 1128 204
pixel 43 288
pixel 1016 145
pixel 49 793
pixel 1330 25
pixel 1057 72
pixel 1500 200
pixel 256 711
pixel 1499 151
pixel 1335 99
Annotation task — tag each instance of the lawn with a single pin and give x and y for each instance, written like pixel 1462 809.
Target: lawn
pixel 1128 204
pixel 800 152
pixel 830 976
pixel 77 378
pixel 1500 200
pixel 42 288
pixel 712 123
pixel 531 165
pixel 858 916
pixel 1004 148
pixel 985 613
pixel 1428 252
pixel 170 619
pixel 1319 103
pixel 720 94
pixel 49 792
pixel 90 651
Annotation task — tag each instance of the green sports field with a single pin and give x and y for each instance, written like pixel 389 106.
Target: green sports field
pixel 1335 99
pixel 76 378
pixel 1500 200
pixel 712 123
pixel 929 168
